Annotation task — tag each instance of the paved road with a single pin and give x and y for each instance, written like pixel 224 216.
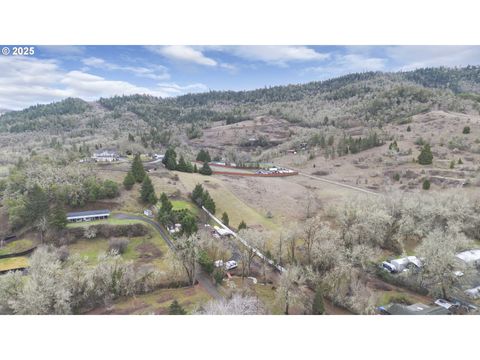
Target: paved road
pixel 203 279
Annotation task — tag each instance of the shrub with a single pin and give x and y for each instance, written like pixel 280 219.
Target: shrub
pixel 466 130
pixel 205 262
pixel 426 184
pixel 90 232
pixel 176 309
pixel 426 156
pixel 118 245
pixel 396 177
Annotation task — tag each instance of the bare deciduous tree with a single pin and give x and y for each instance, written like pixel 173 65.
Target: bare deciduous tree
pixel 236 305
pixel 288 292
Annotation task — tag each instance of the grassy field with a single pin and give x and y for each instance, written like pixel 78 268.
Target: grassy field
pixel 236 209
pixel 265 293
pixel 13 263
pixel 184 204
pixel 16 246
pixel 149 249
pixel 158 302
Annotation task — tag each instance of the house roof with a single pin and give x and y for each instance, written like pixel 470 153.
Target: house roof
pixel 415 309
pixel 469 256
pixel 80 214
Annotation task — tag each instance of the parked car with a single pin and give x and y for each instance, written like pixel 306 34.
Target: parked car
pixel 229 265
pixel 389 267
pixel 445 304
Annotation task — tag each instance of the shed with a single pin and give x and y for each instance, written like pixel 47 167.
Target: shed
pixel 88 215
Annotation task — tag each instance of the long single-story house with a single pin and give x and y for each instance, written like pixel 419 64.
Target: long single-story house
pixel 108 155
pixel 88 215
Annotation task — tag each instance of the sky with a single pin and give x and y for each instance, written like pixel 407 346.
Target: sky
pixel 90 72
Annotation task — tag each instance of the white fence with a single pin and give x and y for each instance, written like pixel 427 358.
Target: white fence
pixel 246 244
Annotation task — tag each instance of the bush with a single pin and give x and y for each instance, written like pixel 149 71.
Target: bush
pixel 205 262
pixel 176 309
pixel 426 184
pixel 426 156
pixel 118 245
pixel 466 130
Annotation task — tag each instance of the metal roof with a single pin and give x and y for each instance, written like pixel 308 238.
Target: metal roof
pixel 469 256
pixel 87 213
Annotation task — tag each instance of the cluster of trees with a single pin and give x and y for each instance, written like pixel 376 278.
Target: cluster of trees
pixel 352 145
pixel 58 284
pixel 201 197
pixel 203 156
pixel 40 117
pixel 334 256
pixel 56 186
pixel 168 216
pixel 137 174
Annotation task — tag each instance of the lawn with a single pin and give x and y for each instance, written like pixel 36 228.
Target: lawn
pixel 16 246
pixel 110 221
pixel 13 263
pixel 149 249
pixel 183 204
pixel 158 302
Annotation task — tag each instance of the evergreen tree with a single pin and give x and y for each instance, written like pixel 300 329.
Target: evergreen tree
pixel 195 169
pixel 137 169
pixel 426 156
pixel 129 180
pixel 318 307
pixel 170 159
pixel 189 225
pixel 452 164
pixel 409 128
pixel 225 218
pixel 165 212
pixel 208 202
pixel 242 225
pixel 426 184
pixel 58 218
pixel 176 309
pixel 459 162
pixel 197 195
pixel 147 192
pixel 36 203
pixel 206 169
pixel 203 156
pixel 466 130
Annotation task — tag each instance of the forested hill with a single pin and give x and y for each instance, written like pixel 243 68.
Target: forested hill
pixel 360 98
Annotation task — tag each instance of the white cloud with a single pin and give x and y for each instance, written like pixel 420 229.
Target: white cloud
pixel 156 72
pixel 28 81
pixel 413 57
pixel 343 64
pixel 279 55
pixel 184 53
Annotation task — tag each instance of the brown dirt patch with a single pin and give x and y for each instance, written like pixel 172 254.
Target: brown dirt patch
pixel 148 251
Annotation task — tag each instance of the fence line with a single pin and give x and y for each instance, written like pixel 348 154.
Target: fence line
pixel 245 243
